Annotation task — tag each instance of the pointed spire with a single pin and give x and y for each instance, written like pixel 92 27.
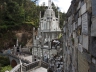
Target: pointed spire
pixel 40 14
pixel 58 17
pixel 49 4
pixel 14 46
pixel 17 42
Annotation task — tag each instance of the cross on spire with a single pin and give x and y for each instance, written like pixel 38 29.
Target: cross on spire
pixel 49 4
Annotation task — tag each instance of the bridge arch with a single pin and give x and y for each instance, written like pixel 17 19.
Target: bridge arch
pixel 13 63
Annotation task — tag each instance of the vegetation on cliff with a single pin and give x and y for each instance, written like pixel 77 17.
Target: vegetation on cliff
pixel 15 14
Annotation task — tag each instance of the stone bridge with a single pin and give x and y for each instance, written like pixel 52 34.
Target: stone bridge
pixel 25 57
pixel 15 59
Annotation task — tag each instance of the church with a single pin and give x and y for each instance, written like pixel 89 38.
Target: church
pixel 49 24
pixel 47 32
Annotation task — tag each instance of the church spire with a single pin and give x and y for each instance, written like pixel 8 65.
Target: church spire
pixel 17 42
pixel 49 4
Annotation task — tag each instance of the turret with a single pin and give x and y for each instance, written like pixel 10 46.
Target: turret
pixel 40 14
pixel 17 43
pixel 14 49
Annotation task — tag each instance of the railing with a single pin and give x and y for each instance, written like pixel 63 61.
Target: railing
pixel 44 64
pixel 30 66
pixel 17 68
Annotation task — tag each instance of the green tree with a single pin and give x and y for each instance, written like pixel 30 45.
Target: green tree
pixel 3 69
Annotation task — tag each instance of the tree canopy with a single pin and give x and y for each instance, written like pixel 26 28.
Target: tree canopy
pixel 14 13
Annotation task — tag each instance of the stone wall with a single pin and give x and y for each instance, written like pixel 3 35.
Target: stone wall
pixel 79 36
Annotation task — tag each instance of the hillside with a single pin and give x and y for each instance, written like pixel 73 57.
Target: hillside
pixel 17 18
pixel 23 33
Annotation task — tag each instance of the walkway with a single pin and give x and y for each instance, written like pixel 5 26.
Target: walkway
pixel 41 69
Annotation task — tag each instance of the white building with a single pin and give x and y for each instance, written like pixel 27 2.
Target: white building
pixel 48 30
pixel 49 24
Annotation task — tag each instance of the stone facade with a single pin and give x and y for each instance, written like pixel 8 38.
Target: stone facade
pixel 47 31
pixel 79 36
pixel 17 48
pixel 49 24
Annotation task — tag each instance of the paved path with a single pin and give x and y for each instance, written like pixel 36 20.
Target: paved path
pixel 41 69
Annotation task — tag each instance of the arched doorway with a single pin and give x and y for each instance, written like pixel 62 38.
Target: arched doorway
pixel 13 63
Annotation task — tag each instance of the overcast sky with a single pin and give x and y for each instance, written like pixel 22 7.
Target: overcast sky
pixel 62 4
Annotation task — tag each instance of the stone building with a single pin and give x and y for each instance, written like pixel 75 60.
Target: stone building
pixel 49 24
pixel 47 31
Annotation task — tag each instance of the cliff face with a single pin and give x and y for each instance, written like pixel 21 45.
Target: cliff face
pixel 24 37
pixel 23 33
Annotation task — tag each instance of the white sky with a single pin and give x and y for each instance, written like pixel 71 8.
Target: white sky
pixel 62 4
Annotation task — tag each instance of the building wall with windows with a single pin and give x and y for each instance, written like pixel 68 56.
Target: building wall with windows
pixel 49 24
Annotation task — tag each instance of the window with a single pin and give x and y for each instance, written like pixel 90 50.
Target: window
pixel 53 19
pixel 56 19
pixel 47 17
pixel 44 26
pixel 51 14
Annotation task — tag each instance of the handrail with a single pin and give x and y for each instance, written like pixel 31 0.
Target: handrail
pixel 27 67
pixel 44 64
pixel 30 66
pixel 17 68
